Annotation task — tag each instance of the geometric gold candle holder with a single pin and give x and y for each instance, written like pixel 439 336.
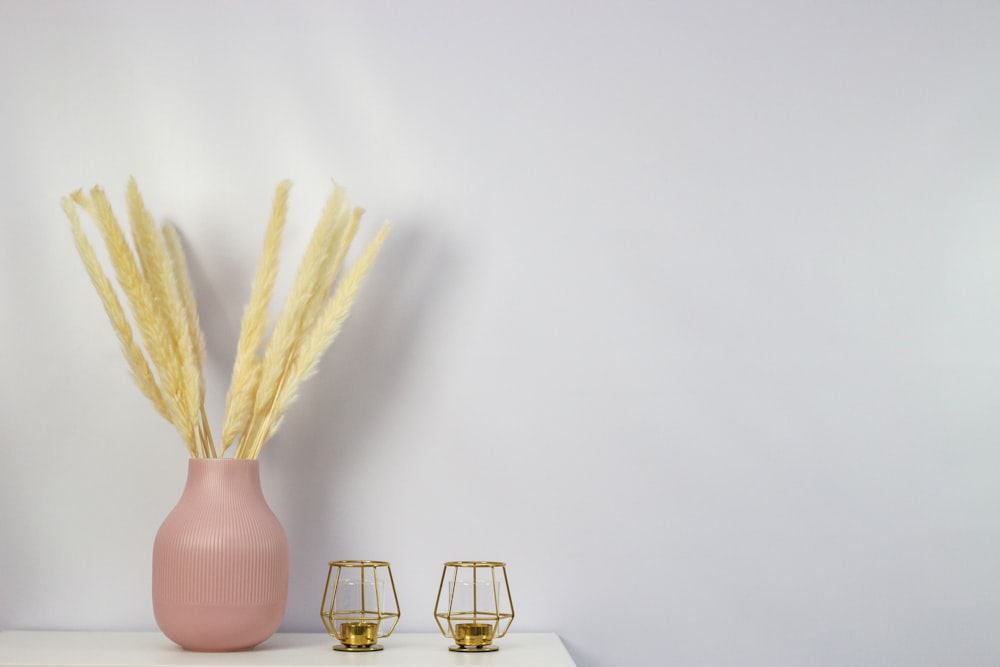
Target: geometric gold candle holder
pixel 476 606
pixel 353 608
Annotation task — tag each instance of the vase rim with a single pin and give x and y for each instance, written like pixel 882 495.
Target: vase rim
pixel 220 465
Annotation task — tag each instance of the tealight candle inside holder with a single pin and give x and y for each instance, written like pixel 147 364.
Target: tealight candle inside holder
pixel 358 634
pixel 473 634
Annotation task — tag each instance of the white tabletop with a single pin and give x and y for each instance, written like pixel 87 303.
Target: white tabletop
pixel 151 649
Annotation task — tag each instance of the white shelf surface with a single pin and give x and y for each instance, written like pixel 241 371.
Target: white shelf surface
pixel 22 648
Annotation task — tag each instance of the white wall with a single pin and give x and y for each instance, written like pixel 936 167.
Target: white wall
pixel 691 311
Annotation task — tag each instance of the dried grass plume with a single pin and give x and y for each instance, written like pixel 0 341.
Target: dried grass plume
pixel 167 359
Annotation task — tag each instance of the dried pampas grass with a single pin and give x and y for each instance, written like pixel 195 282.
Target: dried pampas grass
pixel 246 369
pixel 168 365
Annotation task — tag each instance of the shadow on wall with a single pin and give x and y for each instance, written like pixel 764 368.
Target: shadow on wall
pixel 326 440
pixel 355 378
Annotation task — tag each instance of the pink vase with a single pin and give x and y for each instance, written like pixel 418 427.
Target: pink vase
pixel 220 561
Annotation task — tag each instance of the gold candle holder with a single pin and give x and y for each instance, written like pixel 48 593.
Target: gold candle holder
pixel 353 609
pixel 477 607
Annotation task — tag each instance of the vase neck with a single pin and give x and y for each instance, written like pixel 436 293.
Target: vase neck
pixel 234 478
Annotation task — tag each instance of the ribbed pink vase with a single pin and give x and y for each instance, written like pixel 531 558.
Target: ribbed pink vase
pixel 220 561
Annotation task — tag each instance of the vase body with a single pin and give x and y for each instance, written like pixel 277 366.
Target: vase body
pixel 220 561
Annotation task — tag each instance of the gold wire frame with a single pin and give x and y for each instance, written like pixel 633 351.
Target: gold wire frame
pixel 475 615
pixel 379 614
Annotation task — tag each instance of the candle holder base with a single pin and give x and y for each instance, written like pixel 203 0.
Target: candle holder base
pixel 358 649
pixel 474 649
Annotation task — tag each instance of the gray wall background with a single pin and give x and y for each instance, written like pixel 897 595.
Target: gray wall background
pixel 690 313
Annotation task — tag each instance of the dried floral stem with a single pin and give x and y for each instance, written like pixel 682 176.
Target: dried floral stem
pixel 341 234
pixel 169 365
pixel 180 270
pixel 246 369
pixel 315 342
pixel 182 278
pixel 155 338
pixel 287 328
pixel 156 266
pixel 141 372
pixel 340 214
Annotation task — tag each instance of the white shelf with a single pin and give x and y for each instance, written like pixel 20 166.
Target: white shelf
pixel 151 649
